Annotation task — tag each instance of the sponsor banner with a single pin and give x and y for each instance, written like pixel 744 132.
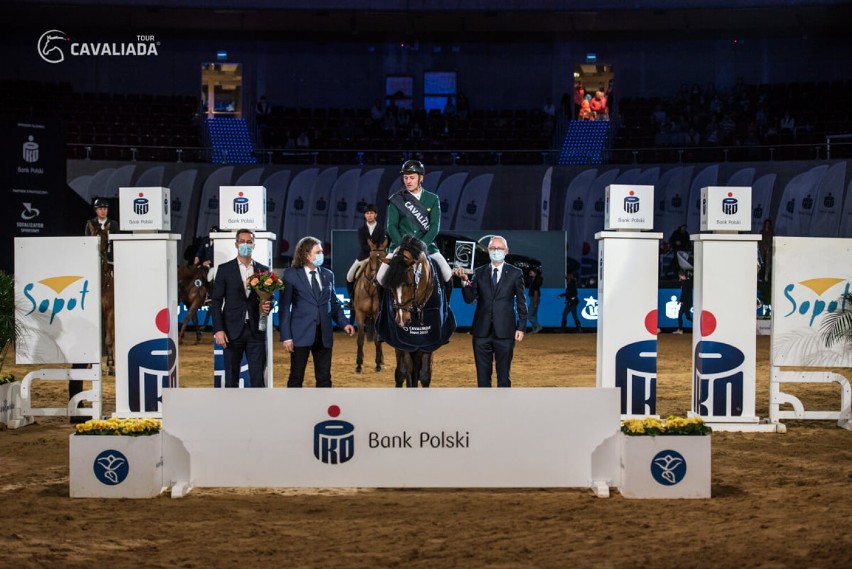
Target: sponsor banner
pixel 546 188
pixel 723 338
pixel 298 206
pixel 242 207
pixel 368 189
pixel 58 287
pixel 449 192
pixel 789 221
pixel 319 208
pixel 472 203
pixel 55 46
pixel 761 200
pixel 559 437
pixel 706 177
pixel 343 201
pixel 825 210
pixel 146 329
pixel 627 323
pixel 593 222
pixel 629 206
pixel 810 277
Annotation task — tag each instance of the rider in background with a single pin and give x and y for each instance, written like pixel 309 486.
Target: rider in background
pixel 370 232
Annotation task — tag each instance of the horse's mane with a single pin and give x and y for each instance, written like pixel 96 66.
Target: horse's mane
pixel 411 250
pixel 397 271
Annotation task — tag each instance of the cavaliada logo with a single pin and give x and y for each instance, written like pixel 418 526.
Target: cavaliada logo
pixel 54 45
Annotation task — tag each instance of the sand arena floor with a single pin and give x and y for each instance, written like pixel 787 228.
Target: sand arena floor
pixel 779 500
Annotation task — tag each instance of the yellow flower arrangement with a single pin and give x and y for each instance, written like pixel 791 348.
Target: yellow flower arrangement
pixel 671 426
pixel 6 378
pixel 121 427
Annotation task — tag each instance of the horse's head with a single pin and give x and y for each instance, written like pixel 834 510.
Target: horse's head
pixel 378 255
pixel 410 280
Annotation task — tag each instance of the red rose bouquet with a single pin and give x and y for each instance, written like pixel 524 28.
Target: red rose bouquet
pixel 264 285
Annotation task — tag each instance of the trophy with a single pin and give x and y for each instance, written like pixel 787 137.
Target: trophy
pixel 464 257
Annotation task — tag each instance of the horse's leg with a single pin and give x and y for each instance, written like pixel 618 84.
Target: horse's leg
pixel 109 336
pixel 359 357
pixel 370 324
pixel 414 369
pixel 425 372
pixel 402 373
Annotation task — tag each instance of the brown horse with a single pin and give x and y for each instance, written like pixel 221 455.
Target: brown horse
pixel 107 295
pixel 192 292
pixel 415 316
pixel 366 303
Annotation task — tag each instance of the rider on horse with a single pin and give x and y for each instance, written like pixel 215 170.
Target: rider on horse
pixel 370 232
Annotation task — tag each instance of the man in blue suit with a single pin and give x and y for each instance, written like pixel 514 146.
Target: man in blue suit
pixel 308 305
pixel 498 290
pixel 236 314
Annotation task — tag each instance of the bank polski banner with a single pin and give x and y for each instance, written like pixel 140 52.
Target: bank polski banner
pixel 472 203
pixel 57 300
pixel 810 277
pixel 449 192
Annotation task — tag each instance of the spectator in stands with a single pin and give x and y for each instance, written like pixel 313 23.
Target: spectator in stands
pixel 598 106
pixel 263 108
pixel 303 141
pixel 377 111
pixel 462 107
pixel 450 107
pixel 787 124
pixel 579 97
pixel 585 113
pixel 549 109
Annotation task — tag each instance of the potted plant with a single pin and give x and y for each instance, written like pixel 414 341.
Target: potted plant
pixel 10 389
pixel 665 458
pixel 116 458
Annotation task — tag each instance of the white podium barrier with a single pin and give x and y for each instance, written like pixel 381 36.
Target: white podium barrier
pixel 559 437
pixel 723 339
pixel 224 249
pixel 627 318
pixel 146 330
pixel 58 287
pixel 809 278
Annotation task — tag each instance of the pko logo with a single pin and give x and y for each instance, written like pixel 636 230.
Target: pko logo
pixel 151 366
pixel 241 204
pixel 111 467
pixel 65 296
pixel 30 150
pixel 140 205
pixel 730 204
pixel 631 203
pixel 334 440
pixel 668 467
pixel 719 386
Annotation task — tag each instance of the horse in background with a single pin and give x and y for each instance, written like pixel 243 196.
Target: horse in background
pixel 365 303
pixel 415 316
pixel 192 292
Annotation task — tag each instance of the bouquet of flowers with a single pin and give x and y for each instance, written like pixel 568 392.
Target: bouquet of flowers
pixel 264 284
pixel 672 426
pixel 124 427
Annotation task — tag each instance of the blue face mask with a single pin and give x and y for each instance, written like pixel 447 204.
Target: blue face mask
pixel 319 259
pixel 497 256
pixel 245 249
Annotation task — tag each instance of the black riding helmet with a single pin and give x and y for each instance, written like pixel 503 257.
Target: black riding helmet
pixel 100 202
pixel 413 167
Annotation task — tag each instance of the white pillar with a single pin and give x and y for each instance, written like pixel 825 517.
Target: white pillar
pixel 723 331
pixel 627 318
pixel 146 330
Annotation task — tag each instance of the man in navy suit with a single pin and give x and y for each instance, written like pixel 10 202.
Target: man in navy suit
pixel 308 306
pixel 498 290
pixel 236 314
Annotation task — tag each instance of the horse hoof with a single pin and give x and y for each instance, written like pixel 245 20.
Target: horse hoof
pixel 111 371
pixel 358 370
pixel 378 368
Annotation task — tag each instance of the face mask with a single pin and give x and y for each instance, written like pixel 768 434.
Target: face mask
pixel 497 256
pixel 318 260
pixel 245 249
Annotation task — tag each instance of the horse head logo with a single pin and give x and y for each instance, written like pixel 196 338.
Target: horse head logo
pixel 49 48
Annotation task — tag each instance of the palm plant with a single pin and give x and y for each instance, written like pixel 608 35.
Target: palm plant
pixel 8 325
pixel 837 325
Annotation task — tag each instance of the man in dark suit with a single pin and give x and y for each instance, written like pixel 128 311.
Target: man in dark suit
pixel 308 305
pixel 236 314
pixel 498 290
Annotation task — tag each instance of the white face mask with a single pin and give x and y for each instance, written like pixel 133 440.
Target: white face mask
pixel 319 260
pixel 497 256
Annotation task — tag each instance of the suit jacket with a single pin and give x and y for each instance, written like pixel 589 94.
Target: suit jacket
pixel 497 307
pixel 229 303
pixel 299 312
pixel 400 224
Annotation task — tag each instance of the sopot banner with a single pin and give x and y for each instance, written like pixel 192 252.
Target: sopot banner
pixel 810 277
pixel 58 300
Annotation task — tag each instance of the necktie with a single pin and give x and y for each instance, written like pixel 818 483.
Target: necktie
pixel 494 279
pixel 315 285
